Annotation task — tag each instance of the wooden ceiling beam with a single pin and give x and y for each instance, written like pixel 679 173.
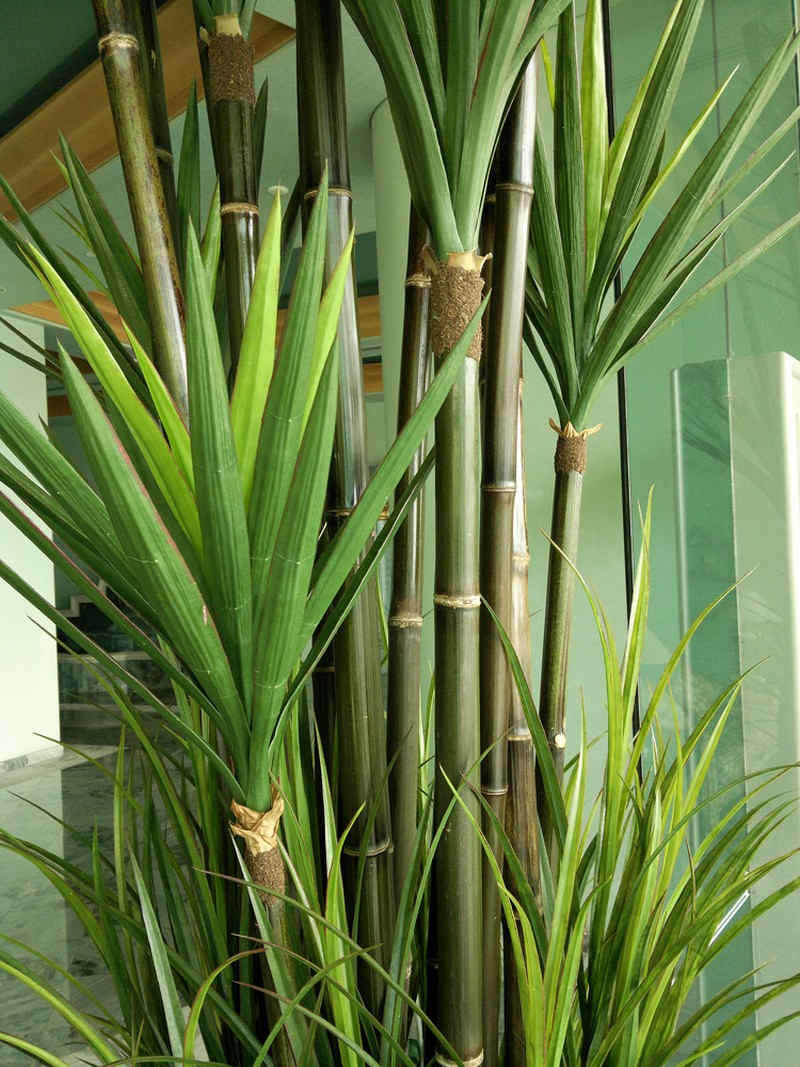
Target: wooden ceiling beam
pixel 81 112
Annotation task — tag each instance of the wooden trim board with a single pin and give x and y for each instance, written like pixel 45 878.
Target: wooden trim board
pixel 81 111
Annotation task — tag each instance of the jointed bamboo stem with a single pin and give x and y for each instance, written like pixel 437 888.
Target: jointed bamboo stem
pixel 521 820
pixel 359 696
pixel 405 616
pixel 456 971
pixel 564 535
pixel 120 54
pixel 503 353
pixel 155 92
pixel 230 94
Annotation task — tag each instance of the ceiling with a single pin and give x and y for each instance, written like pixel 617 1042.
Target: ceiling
pixel 53 41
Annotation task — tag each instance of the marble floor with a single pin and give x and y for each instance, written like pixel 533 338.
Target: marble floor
pixel 74 792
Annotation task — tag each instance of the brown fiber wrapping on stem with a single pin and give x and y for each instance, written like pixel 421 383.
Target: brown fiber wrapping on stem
pixel 570 457
pixel 263 855
pixel 455 297
pixel 230 68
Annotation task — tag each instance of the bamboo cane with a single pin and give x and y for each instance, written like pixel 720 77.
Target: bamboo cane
pixel 230 95
pixel 521 821
pixel 514 191
pixel 456 914
pixel 405 616
pixel 155 92
pixel 570 463
pixel 119 52
pixel 359 696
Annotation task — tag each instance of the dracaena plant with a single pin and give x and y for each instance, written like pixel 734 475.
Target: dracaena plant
pixel 605 951
pixel 589 201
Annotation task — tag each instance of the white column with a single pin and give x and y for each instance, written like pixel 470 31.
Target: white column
pixel 28 669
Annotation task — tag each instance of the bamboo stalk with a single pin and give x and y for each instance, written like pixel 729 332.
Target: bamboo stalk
pixel 119 52
pixel 155 92
pixel 514 191
pixel 521 820
pixel 230 95
pixel 456 977
pixel 405 614
pixel 570 463
pixel 359 696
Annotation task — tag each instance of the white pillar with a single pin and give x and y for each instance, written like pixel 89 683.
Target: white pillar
pixel 28 668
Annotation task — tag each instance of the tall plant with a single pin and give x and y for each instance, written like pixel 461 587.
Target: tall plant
pixel 513 170
pixel 590 199
pixel 450 71
pixel 236 120
pixel 360 720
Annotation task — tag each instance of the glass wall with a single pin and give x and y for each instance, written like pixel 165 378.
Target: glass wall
pixel 711 414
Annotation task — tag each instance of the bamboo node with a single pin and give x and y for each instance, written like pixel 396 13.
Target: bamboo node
pixel 340 513
pixel 499 487
pixel 487 791
pixel 404 622
pixel 515 187
pixel 570 454
pixel 230 68
pixel 115 39
pixel 333 190
pixel 443 600
pixel 418 280
pixel 258 828
pixel 456 290
pixel 238 207
pixel 476 1061
pixel 371 852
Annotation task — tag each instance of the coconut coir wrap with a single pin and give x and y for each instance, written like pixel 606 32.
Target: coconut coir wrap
pixel 570 457
pixel 456 290
pixel 230 68
pixel 260 832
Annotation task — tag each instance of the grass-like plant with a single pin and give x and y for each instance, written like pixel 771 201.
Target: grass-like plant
pixel 605 951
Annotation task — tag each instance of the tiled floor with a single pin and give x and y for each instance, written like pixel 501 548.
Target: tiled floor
pixel 31 911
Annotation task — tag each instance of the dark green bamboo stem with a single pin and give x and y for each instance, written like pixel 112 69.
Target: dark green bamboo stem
pixel 503 354
pixel 570 462
pixel 359 696
pixel 119 51
pixel 230 96
pixel 521 820
pixel 456 969
pixel 155 92
pixel 405 614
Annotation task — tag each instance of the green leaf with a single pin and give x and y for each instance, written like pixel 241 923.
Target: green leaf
pixel 160 460
pixel 117 262
pixel 568 170
pixel 212 237
pixel 220 505
pixel 161 571
pixel 284 600
pixel 328 320
pixel 188 191
pixel 166 982
pixel 594 116
pixel 257 353
pixel 281 428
